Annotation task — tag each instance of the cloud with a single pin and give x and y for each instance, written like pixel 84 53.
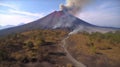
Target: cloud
pixel 8 5
pixel 13 16
pixel 26 13
pixel 101 18
pixel 15 19
pixel 105 14
pixel 6 19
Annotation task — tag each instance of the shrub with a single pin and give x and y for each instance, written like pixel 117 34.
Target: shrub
pixel 3 55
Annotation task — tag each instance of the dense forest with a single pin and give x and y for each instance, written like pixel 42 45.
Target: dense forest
pixel 42 48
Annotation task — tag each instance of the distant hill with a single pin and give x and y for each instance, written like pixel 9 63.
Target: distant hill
pixel 7 26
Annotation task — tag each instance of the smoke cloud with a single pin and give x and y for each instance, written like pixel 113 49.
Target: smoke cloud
pixel 74 6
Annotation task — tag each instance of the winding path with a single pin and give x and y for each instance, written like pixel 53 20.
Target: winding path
pixel 72 59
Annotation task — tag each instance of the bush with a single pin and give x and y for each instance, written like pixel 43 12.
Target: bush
pixel 29 45
pixel 3 55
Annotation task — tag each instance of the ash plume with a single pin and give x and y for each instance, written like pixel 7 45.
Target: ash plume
pixel 74 6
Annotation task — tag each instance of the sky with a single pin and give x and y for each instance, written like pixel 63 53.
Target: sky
pixel 98 12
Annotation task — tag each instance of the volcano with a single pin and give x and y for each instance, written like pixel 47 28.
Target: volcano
pixel 59 20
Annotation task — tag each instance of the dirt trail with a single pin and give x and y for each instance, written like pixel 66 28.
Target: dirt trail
pixel 72 59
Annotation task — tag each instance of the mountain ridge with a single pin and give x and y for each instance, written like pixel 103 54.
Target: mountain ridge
pixel 7 26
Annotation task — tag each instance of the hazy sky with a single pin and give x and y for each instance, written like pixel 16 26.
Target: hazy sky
pixel 99 12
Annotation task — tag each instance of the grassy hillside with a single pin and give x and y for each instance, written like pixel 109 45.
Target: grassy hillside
pixel 96 49
pixel 33 49
pixel 42 48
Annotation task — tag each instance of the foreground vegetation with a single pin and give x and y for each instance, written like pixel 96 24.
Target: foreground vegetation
pixel 96 49
pixel 37 48
pixel 41 48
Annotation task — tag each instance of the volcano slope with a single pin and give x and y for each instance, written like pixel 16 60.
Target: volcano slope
pixel 58 20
